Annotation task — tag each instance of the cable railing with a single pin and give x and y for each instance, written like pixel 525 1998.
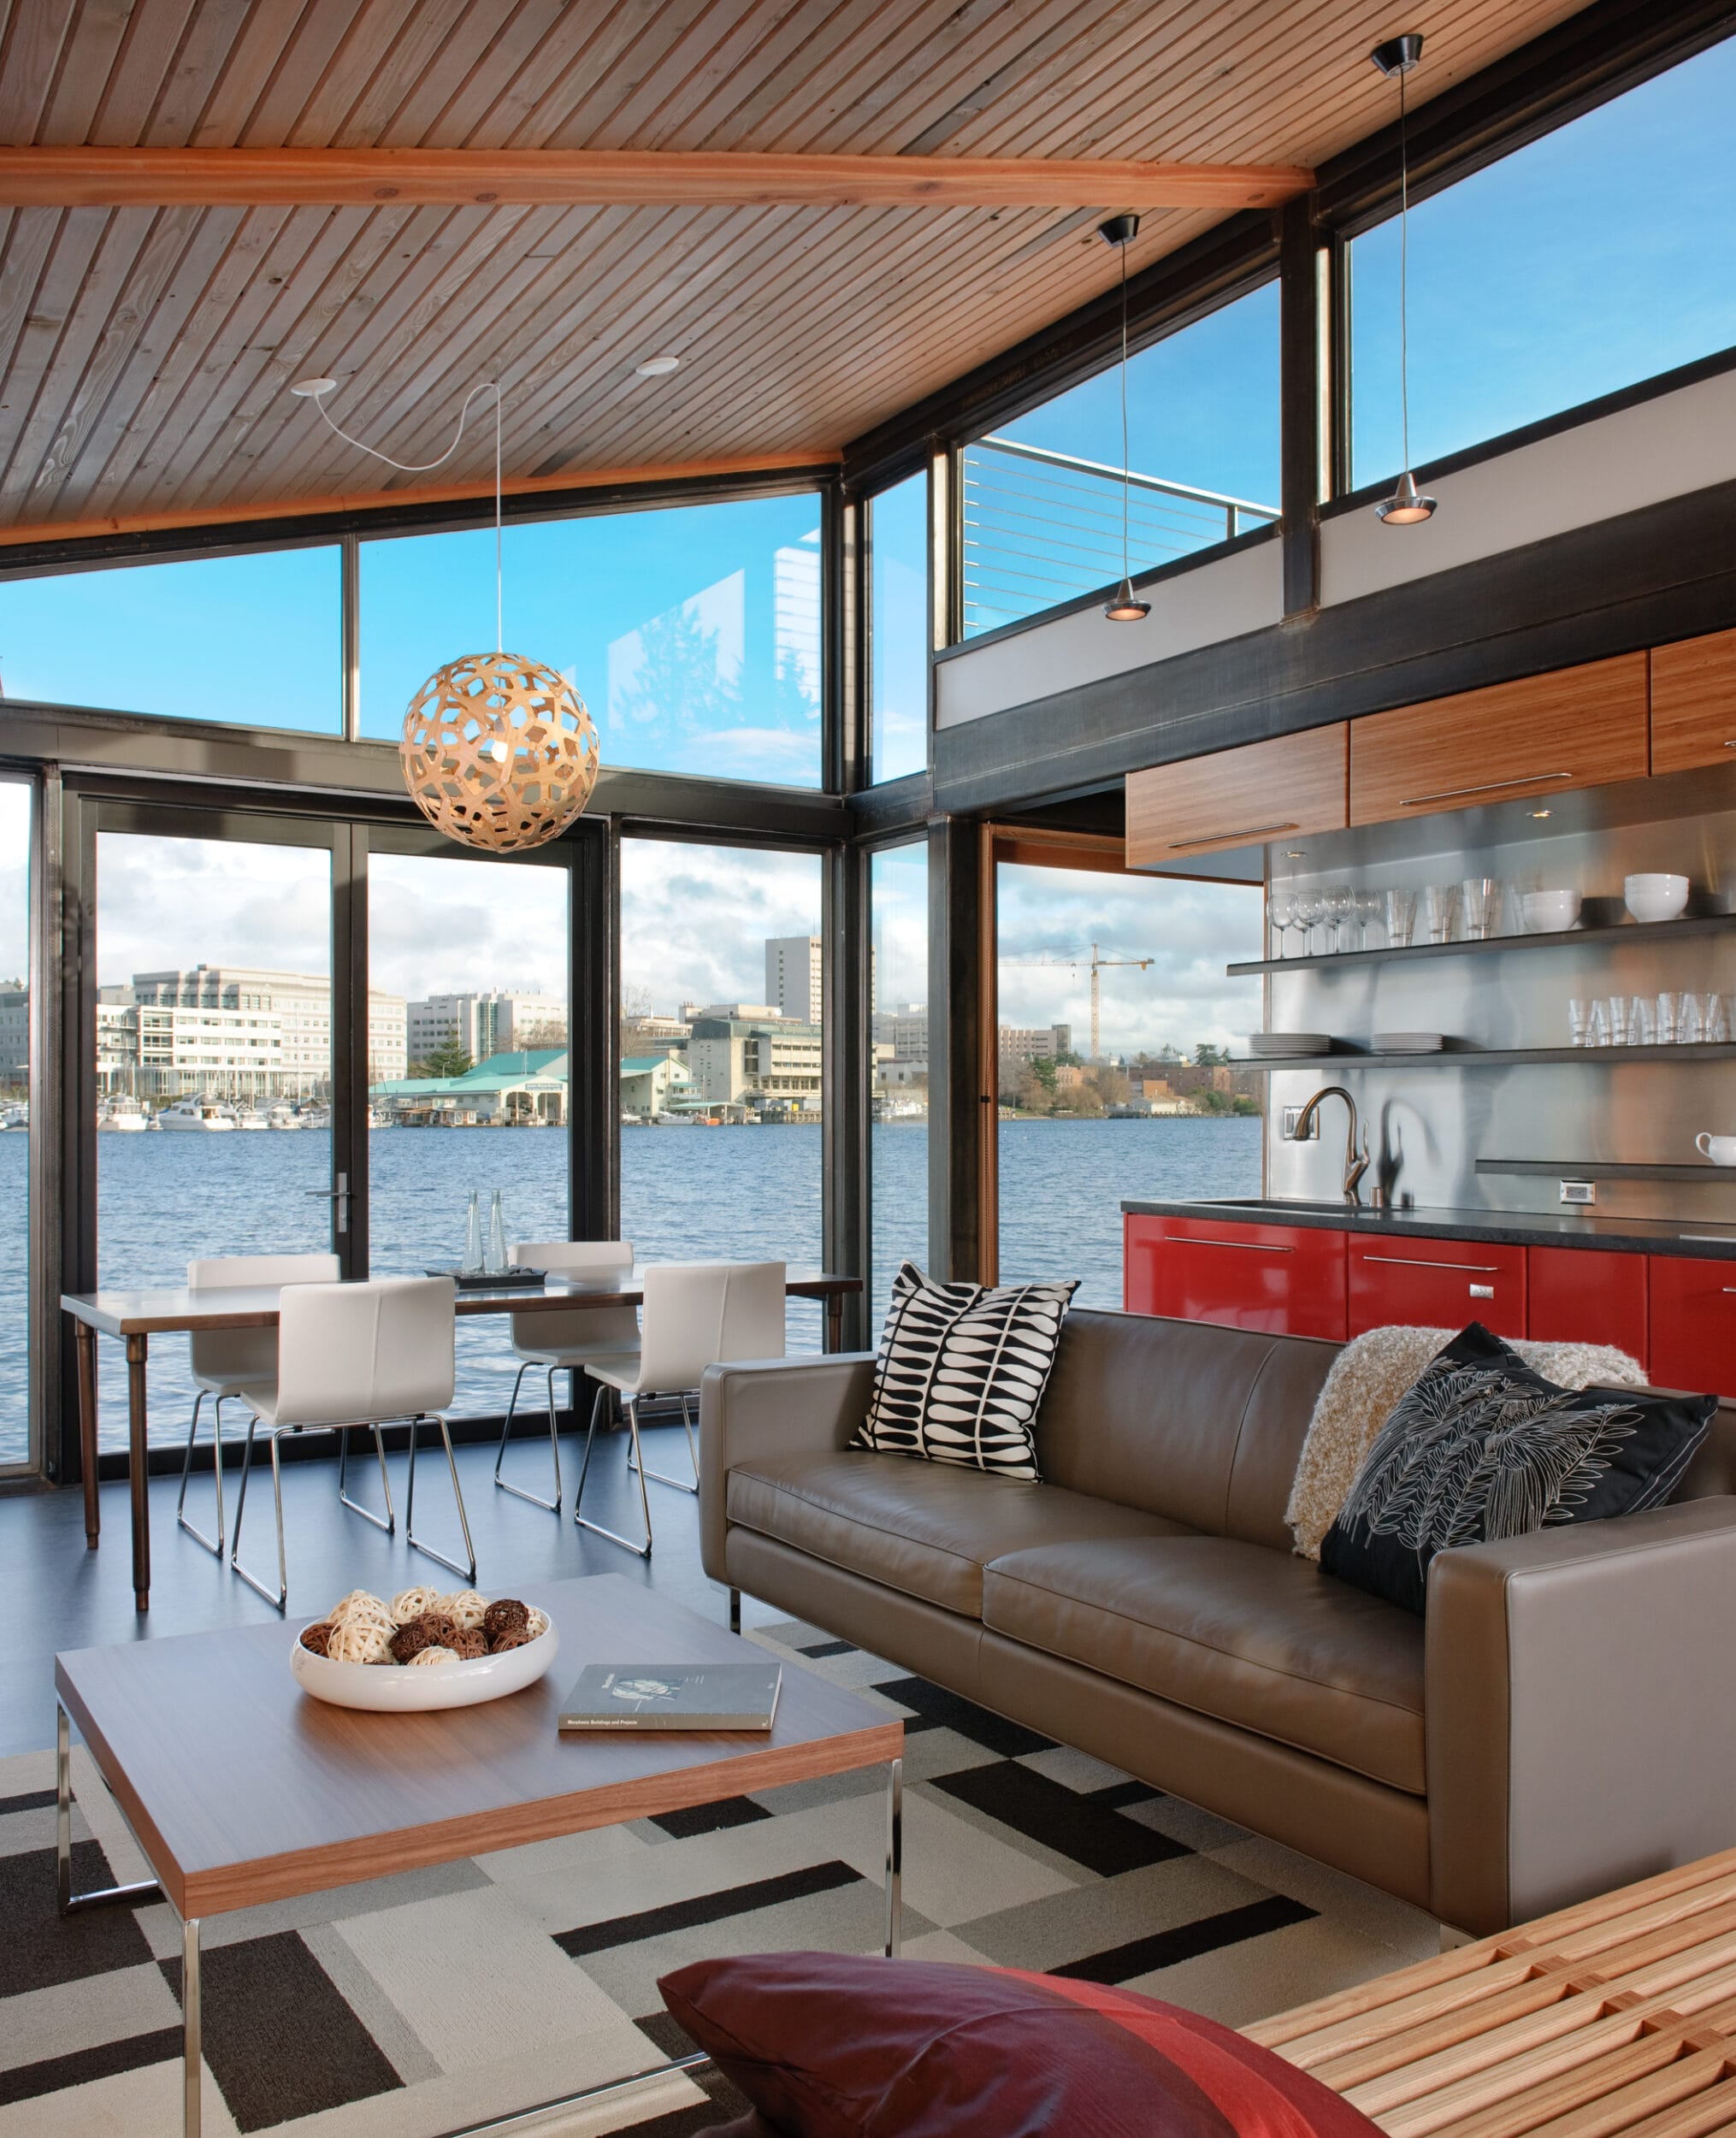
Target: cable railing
pixel 1042 528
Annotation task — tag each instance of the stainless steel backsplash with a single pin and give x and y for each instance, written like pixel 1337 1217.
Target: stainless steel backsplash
pixel 1441 1118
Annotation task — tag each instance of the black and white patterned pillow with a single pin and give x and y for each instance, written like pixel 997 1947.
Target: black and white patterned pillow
pixel 1483 1447
pixel 961 1371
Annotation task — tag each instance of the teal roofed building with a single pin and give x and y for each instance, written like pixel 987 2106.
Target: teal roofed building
pixel 526 1088
pixel 655 1084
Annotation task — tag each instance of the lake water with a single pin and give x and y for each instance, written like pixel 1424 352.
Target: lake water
pixel 687 1195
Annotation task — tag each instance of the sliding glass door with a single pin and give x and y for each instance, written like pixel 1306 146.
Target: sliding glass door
pixel 16 1450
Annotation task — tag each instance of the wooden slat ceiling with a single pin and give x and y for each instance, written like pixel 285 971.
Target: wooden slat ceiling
pixel 145 352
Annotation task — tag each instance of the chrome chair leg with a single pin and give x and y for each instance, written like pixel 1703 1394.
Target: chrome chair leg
pixel 198 1535
pixel 281 1600
pixel 680 1482
pixel 410 1536
pixel 517 1490
pixel 388 1521
pixel 597 1529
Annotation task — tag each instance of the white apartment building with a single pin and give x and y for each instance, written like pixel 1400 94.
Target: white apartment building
pixel 1018 1044
pixel 735 1060
pixel 230 1026
pixel 161 1051
pixel 15 1031
pixel 795 976
pixel 507 1021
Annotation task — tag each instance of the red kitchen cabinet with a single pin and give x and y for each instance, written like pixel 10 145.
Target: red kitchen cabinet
pixel 1286 1279
pixel 1576 1295
pixel 1693 1325
pixel 1435 1285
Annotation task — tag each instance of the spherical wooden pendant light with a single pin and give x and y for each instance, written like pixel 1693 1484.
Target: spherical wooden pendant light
pixel 499 752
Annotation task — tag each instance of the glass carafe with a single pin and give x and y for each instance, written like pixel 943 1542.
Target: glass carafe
pixel 472 1264
pixel 496 1260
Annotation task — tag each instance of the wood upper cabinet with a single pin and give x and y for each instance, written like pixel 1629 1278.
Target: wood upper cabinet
pixel 1693 703
pixel 1576 727
pixel 1235 798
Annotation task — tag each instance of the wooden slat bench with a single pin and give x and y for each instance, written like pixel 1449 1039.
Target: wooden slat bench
pixel 1618 2015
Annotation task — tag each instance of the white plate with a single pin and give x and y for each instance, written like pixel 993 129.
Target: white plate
pixel 405 1689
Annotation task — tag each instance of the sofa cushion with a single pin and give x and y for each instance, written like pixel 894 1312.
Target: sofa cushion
pixel 924 1528
pixel 1250 1636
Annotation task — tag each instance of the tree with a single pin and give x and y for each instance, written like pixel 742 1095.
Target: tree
pixel 1206 1056
pixel 1113 1087
pixel 1036 1094
pixel 448 1060
pixel 539 1033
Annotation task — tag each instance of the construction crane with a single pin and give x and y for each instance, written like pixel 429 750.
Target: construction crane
pixel 1076 959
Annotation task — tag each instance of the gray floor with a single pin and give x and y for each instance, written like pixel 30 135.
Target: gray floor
pixel 56 1594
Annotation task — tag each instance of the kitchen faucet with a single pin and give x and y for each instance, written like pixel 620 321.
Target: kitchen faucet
pixel 1355 1160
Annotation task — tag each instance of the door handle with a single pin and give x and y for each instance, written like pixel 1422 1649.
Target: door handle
pixel 1488 787
pixel 1242 1247
pixel 341 1196
pixel 1418 1261
pixel 1482 1291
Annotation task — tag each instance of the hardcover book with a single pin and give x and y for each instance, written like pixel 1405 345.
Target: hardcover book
pixel 677 1696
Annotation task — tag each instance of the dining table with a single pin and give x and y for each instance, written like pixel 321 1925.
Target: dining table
pixel 133 1317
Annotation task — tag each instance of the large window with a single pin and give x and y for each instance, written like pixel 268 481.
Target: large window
pixel 1042 495
pixel 692 634
pixel 898 1138
pixel 256 639
pixel 721 1065
pixel 1598 255
pixel 467 1073
pixel 898 628
pixel 1152 1108
pixel 15 1124
pixel 213 1051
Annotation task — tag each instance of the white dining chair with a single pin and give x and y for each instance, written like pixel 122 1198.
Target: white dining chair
pixel 227 1361
pixel 357 1354
pixel 564 1342
pixel 695 1314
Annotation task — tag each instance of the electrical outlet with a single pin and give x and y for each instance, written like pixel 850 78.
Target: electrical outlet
pixel 1292 1114
pixel 1580 1192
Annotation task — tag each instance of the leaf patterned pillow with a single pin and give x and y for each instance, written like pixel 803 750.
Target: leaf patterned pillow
pixel 1481 1447
pixel 961 1372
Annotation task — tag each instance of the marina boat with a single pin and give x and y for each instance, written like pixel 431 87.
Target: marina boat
pixel 282 1117
pixel 122 1115
pixel 251 1117
pixel 198 1116
pixel 314 1117
pixel 15 1117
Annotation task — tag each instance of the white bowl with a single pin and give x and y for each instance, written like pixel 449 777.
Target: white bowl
pixel 1545 911
pixel 1655 897
pixel 406 1689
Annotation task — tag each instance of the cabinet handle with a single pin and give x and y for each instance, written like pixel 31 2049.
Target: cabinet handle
pixel 1248 832
pixel 1418 1262
pixel 1242 1247
pixel 1482 1291
pixel 1488 787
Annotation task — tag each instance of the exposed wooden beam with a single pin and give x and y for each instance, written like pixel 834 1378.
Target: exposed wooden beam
pixel 566 178
pixel 38 531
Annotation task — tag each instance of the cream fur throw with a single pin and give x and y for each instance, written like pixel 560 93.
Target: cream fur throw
pixel 1368 1377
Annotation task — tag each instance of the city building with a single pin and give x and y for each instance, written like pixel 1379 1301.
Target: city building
pixel 481 1024
pixel 904 1029
pixel 247 1021
pixel 525 1088
pixel 15 1032
pixel 795 977
pixel 654 1084
pixel 758 1062
pixel 1018 1044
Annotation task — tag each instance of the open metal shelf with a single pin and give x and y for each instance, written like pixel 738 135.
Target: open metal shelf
pixel 1608 1169
pixel 1624 931
pixel 1494 1057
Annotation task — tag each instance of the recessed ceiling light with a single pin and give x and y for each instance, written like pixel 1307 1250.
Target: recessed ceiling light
pixel 1540 812
pixel 656 367
pixel 311 389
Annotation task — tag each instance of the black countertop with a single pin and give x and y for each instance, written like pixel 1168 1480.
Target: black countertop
pixel 1506 1228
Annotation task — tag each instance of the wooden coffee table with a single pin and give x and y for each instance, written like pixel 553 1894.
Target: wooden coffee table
pixel 1614 2017
pixel 241 1789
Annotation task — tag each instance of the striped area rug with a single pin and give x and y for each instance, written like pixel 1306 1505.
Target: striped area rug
pixel 423 2003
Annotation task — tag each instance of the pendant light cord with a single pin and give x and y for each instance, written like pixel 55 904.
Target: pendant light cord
pixel 423 467
pixel 1126 465
pixel 1404 269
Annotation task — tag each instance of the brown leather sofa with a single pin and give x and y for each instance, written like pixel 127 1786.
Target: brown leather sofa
pixel 1563 1721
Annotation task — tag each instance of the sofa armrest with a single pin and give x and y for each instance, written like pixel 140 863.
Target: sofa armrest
pixel 1581 1707
pixel 772 1408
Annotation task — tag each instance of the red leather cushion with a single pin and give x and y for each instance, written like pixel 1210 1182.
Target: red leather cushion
pixel 828 2046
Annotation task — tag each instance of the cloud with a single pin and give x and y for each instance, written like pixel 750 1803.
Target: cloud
pixel 694 920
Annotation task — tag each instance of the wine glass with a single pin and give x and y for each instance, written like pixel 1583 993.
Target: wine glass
pixel 1310 912
pixel 1280 911
pixel 1341 903
pixel 1371 911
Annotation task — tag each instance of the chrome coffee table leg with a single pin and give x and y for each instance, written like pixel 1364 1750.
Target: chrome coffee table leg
pixel 193 2049
pixel 894 1857
pixel 103 1896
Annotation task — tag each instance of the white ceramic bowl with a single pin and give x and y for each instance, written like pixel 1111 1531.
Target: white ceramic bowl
pixel 1655 897
pixel 1545 911
pixel 405 1689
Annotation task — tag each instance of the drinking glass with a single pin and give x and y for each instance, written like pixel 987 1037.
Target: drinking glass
pixel 1371 912
pixel 1579 1019
pixel 1341 903
pixel 1667 1012
pixel 1401 918
pixel 1480 903
pixel 1642 1021
pixel 1280 910
pixel 1441 909
pixel 1717 1021
pixel 1597 1032
pixel 1615 1013
pixel 1690 1020
pixel 1310 912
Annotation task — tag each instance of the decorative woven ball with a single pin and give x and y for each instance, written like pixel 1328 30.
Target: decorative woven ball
pixel 506 1612
pixel 433 1656
pixel 499 752
pixel 317 1639
pixel 514 1637
pixel 463 1607
pixel 410 1603
pixel 469 1643
pixel 408 1641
